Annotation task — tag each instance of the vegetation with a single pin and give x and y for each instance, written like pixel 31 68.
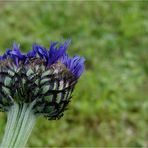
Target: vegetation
pixel 110 103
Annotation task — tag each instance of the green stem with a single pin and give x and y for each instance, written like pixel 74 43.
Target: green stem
pixel 20 122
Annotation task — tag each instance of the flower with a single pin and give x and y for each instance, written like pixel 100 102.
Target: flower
pixel 44 76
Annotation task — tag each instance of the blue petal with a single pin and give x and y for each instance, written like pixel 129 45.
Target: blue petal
pixel 15 54
pixel 33 52
pixel 3 57
pixel 56 53
pixel 75 64
pixel 42 52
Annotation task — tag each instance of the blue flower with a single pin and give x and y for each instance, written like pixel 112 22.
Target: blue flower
pixel 51 56
pixel 50 73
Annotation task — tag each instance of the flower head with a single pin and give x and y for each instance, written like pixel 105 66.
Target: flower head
pixel 44 76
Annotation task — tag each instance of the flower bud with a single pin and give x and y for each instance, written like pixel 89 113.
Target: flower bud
pixel 45 77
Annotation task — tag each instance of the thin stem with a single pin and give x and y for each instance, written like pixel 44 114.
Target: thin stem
pixel 10 126
pixel 29 119
pixel 20 123
pixel 20 117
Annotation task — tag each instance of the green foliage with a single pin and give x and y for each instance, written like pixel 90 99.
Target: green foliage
pixel 110 104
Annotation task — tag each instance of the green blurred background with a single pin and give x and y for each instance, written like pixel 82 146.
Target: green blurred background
pixel 110 103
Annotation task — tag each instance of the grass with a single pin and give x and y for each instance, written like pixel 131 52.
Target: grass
pixel 110 104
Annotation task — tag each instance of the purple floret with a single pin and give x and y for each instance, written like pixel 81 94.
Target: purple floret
pixel 74 64
pixel 15 54
pixel 33 52
pixel 56 53
pixel 41 51
pixel 3 57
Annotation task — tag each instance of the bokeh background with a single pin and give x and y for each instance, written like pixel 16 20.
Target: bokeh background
pixel 110 103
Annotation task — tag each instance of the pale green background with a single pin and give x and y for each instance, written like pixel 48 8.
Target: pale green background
pixel 110 103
